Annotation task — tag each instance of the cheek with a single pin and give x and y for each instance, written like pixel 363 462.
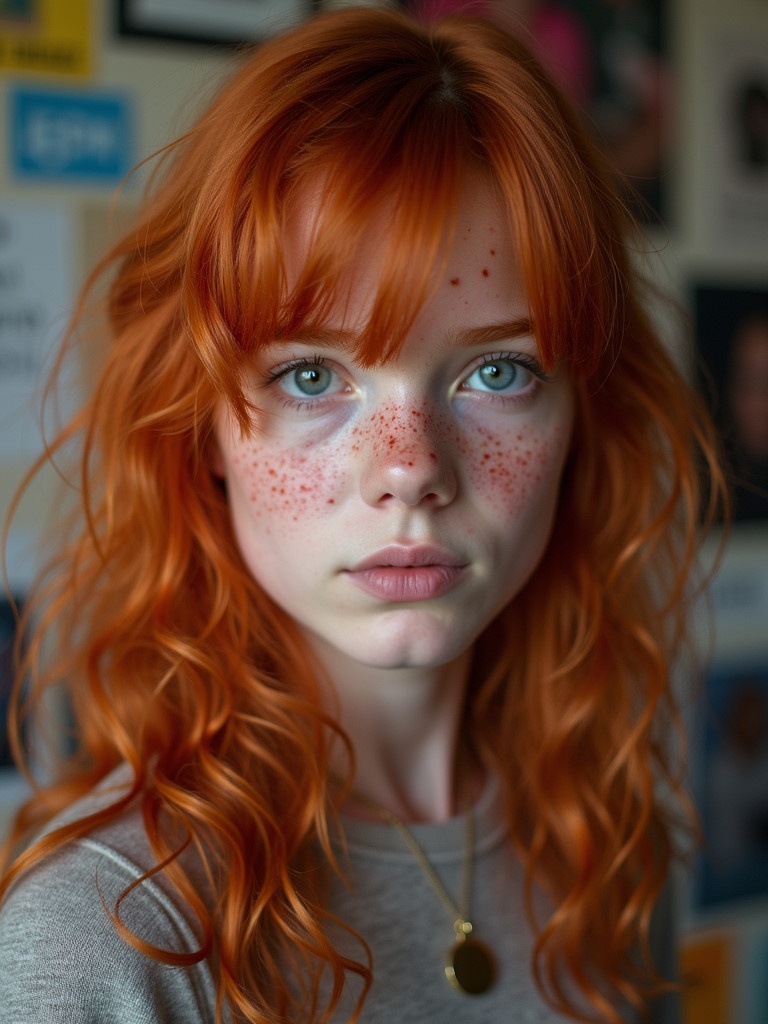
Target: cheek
pixel 514 473
pixel 281 489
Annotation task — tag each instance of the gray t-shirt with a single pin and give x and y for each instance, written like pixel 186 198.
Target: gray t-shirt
pixel 63 962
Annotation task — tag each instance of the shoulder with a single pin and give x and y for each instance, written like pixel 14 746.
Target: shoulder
pixel 62 957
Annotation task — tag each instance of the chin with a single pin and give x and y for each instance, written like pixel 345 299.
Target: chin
pixel 419 652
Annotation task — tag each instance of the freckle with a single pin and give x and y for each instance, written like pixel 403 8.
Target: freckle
pixel 485 271
pixel 455 281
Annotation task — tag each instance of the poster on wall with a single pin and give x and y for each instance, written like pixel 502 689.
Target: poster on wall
pixel 208 21
pixel 12 788
pixel 7 634
pixel 72 137
pixel 732 783
pixel 48 36
pixel 756 976
pixel 731 328
pixel 705 976
pixel 36 296
pixel 738 133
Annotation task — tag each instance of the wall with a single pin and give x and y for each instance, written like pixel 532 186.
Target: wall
pixel 163 83
pixel 710 245
pixel 727 961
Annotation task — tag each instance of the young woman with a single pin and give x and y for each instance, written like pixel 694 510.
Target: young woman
pixel 390 499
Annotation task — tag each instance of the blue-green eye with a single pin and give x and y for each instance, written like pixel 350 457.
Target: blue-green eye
pixel 309 380
pixel 502 375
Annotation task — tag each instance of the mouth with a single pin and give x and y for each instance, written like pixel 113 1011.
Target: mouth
pixel 402 574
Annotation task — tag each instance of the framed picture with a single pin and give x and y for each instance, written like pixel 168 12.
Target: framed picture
pixel 732 783
pixel 738 141
pixel 731 326
pixel 12 786
pixel 223 22
pixel 612 60
pixel 7 638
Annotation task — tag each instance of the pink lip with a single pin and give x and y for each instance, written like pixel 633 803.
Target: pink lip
pixel 400 573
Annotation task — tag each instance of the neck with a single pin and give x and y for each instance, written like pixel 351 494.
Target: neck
pixel 404 726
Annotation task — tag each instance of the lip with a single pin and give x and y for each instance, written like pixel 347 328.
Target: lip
pixel 399 573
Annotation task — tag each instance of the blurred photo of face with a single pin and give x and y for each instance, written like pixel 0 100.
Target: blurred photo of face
pixel 748 389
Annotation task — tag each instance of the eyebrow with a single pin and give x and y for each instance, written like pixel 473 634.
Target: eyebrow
pixel 506 330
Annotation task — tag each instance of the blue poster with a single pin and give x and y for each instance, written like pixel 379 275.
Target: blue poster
pixel 70 136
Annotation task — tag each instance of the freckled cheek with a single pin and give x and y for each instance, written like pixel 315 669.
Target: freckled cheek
pixel 284 488
pixel 512 472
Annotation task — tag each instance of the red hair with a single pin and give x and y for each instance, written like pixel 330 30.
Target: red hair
pixel 175 661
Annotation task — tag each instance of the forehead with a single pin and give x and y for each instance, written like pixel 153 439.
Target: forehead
pixel 476 251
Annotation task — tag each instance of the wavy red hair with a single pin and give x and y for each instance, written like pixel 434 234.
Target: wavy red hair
pixel 173 659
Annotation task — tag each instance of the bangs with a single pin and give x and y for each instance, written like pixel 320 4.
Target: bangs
pixel 394 196
pixel 376 133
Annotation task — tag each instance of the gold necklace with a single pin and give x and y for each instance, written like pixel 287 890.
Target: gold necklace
pixel 470 965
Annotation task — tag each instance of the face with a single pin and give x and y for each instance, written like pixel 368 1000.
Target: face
pixel 394 511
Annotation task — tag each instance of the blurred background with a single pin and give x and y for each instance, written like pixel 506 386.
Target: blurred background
pixel 676 92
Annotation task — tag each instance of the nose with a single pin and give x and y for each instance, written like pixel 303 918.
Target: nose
pixel 408 459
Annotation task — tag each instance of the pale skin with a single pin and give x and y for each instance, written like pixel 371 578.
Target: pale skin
pixel 394 511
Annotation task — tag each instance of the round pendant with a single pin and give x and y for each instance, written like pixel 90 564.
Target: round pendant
pixel 470 967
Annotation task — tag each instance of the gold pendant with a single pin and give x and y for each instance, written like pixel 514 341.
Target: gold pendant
pixel 470 967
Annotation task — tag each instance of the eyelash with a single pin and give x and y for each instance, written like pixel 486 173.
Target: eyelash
pixel 276 374
pixel 527 362
pixel 521 359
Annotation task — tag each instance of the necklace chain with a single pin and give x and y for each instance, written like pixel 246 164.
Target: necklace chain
pixel 470 965
pixel 460 913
